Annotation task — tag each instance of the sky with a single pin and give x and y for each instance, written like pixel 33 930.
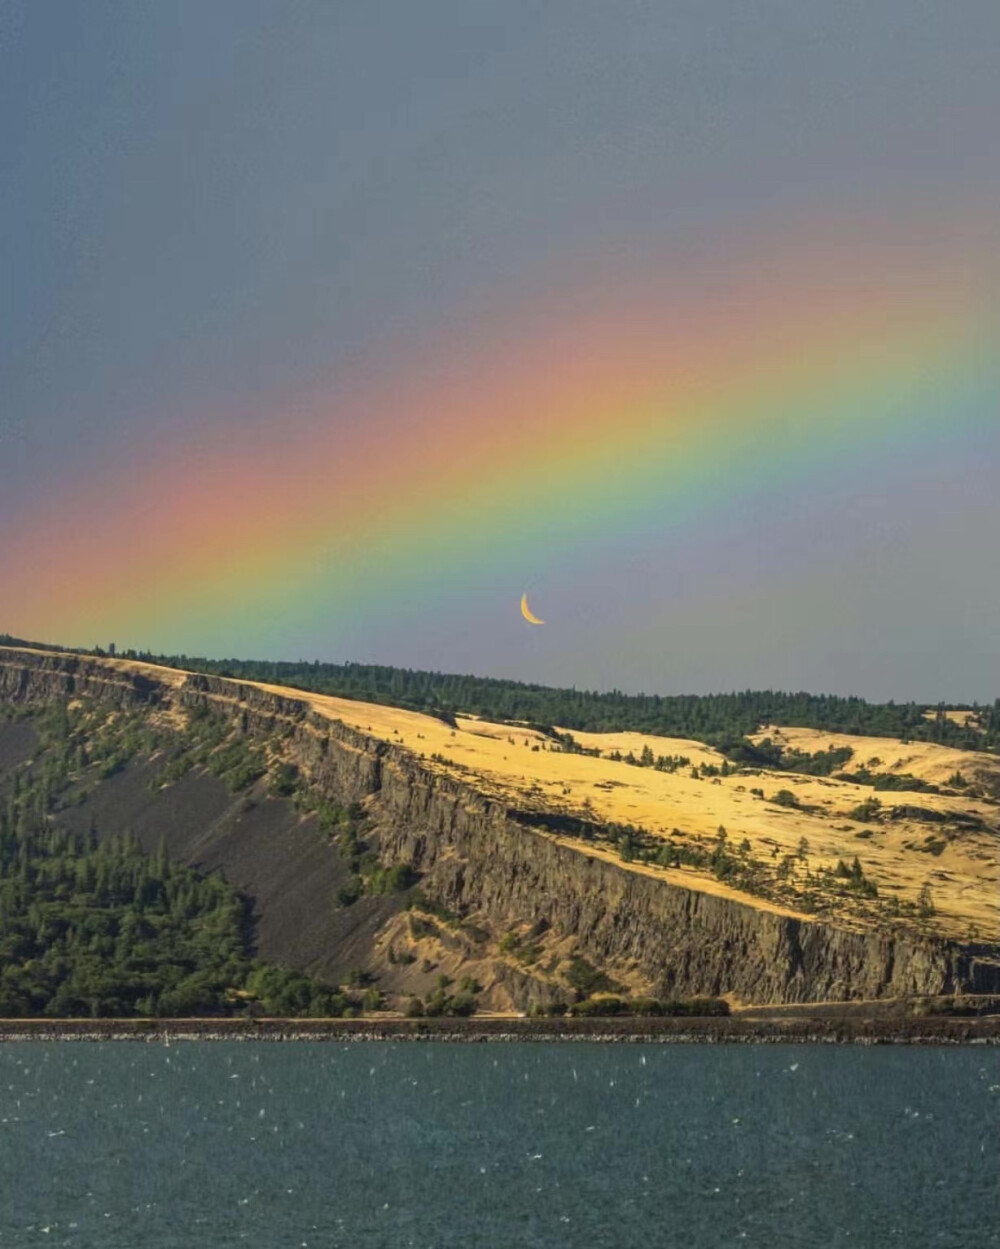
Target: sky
pixel 330 329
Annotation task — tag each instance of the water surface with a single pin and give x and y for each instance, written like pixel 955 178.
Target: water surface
pixel 399 1144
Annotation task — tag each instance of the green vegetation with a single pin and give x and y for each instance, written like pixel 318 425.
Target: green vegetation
pixel 94 926
pixel 238 763
pixel 585 979
pixel 523 949
pixel 724 720
pixel 890 780
pixel 769 754
pixel 208 743
pixel 395 879
pixel 646 759
pixel 440 1002
pixel 855 878
pixel 347 825
pixel 99 928
pixel 866 812
pixel 649 1006
pixel 790 881
pixel 821 763
pixel 284 781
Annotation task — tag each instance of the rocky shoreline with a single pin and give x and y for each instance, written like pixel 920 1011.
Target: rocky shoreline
pixel 830 1030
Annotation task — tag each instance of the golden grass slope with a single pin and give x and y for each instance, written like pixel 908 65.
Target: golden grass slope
pixel 527 768
pixel 924 760
pixel 958 862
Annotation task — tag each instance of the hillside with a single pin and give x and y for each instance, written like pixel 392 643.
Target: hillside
pixel 946 840
pixel 716 719
pixel 547 862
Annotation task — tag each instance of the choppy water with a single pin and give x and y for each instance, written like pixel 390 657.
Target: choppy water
pixel 382 1144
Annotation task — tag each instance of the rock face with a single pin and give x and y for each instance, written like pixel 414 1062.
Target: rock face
pixel 34 676
pixel 476 854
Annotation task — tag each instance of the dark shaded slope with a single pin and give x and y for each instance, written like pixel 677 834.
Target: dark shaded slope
pixel 289 870
pixel 17 744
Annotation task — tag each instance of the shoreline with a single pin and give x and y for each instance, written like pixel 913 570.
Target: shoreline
pixel 670 1030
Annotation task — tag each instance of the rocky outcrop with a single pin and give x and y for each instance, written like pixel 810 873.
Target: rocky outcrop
pixel 478 855
pixel 34 676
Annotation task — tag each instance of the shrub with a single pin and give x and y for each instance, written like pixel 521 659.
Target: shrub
pixel 646 1006
pixel 284 780
pixel 420 927
pixel 395 879
pixel 586 979
pixel 698 1006
pixel 436 1003
pixel 867 811
pixel 598 1006
pixel 348 894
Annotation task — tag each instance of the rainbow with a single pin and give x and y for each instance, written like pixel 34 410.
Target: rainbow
pixel 543 439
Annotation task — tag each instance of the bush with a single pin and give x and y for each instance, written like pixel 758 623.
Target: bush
pixel 867 811
pixel 395 879
pixel 284 780
pixel 436 1003
pixel 348 894
pixel 586 979
pixel 715 1007
pixel 646 1006
pixel 598 1006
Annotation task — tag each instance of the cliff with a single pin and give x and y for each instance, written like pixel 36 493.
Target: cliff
pixel 480 856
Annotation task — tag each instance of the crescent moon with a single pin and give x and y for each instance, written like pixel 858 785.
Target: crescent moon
pixel 527 613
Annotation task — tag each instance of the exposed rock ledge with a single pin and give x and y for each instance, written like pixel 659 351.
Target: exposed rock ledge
pixel 475 853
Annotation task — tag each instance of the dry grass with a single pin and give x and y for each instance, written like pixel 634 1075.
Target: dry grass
pixel 524 767
pixel 923 760
pixel 956 716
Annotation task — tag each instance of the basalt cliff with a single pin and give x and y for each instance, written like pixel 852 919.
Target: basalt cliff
pixel 495 876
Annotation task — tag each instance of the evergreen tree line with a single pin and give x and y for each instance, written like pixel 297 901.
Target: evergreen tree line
pixel 716 719
pixel 96 927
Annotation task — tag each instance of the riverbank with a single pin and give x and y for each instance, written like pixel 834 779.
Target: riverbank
pixel 816 1030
